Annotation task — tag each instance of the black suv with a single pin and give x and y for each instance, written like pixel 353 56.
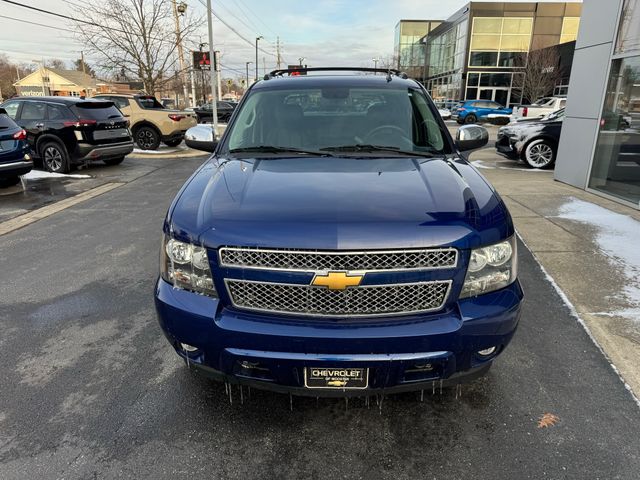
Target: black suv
pixel 205 112
pixel 64 131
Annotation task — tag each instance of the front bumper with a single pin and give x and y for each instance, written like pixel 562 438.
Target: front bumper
pixel 103 152
pixel 507 146
pixel 402 353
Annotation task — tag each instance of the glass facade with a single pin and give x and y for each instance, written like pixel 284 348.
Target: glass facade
pixel 478 52
pixel 616 163
pixel 497 41
pixel 409 50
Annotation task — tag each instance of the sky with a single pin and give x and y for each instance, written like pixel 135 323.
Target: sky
pixel 323 32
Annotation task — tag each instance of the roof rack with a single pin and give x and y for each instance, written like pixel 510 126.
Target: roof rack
pixel 388 71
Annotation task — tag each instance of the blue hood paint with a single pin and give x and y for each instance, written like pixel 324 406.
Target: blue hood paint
pixel 339 203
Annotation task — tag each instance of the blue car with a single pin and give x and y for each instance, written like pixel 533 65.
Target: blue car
pixel 15 159
pixel 329 250
pixel 473 111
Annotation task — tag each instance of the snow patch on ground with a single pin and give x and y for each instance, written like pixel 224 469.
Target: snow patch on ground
pixel 617 236
pixel 162 150
pixel 481 164
pixel 574 313
pixel 39 174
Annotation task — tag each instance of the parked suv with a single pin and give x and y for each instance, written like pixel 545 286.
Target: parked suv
pixel 534 141
pixel 224 109
pixel 326 250
pixel 473 111
pixel 65 131
pixel 151 122
pixel 14 151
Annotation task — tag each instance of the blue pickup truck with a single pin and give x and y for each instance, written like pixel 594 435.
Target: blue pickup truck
pixel 337 243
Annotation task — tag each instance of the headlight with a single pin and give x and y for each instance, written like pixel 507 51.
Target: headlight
pixel 491 268
pixel 186 266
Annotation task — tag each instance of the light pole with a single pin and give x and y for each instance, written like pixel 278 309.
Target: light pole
pixel 214 105
pixel 300 60
pixel 247 66
pixel 375 63
pixel 256 64
pixel 41 62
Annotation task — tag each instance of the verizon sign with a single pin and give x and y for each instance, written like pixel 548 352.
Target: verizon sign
pixel 31 92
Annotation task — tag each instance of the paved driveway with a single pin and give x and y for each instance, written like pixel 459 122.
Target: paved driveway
pixel 91 390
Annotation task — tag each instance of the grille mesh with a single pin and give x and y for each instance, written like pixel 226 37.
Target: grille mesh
pixel 352 261
pixel 358 301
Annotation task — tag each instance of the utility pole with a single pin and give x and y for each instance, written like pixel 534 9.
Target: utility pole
pixel 193 87
pixel 176 16
pixel 247 66
pixel 278 58
pixel 84 70
pixel 214 105
pixel 264 66
pixel 257 64
pixel 218 70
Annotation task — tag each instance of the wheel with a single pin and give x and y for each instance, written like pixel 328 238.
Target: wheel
pixel 173 143
pixel 540 154
pixel 147 138
pixel 54 157
pixel 114 161
pixel 471 118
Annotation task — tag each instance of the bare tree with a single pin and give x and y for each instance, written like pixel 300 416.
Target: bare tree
pixel 135 38
pixel 10 72
pixel 57 63
pixel 539 74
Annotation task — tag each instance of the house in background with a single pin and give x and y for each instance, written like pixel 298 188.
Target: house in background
pixel 54 82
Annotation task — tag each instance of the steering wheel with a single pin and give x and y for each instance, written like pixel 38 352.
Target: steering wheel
pixel 392 130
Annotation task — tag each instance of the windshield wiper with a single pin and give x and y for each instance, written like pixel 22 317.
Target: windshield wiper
pixel 362 147
pixel 274 149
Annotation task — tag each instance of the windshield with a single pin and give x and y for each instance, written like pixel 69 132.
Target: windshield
pixel 96 110
pixel 360 120
pixel 544 102
pixel 149 102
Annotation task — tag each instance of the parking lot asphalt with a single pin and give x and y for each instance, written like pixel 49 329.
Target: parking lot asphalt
pixel 92 390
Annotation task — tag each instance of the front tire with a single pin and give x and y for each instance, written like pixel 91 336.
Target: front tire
pixel 471 118
pixel 147 138
pixel 113 161
pixel 540 154
pixel 55 157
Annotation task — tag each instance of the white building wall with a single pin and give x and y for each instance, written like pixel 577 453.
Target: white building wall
pixel 589 74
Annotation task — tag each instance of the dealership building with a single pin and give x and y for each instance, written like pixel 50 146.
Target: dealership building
pixel 600 143
pixel 477 52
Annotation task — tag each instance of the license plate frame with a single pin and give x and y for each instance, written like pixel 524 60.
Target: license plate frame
pixel 340 378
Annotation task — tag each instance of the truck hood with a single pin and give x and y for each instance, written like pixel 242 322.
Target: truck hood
pixel 338 203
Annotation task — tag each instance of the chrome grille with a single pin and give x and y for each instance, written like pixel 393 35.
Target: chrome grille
pixel 370 261
pixel 369 300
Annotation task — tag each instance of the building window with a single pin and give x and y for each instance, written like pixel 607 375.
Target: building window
pixel 629 30
pixel 74 94
pixel 569 29
pixel 616 163
pixel 483 59
pixel 495 41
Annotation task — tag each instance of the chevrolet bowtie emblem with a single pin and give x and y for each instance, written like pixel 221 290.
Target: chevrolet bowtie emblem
pixel 337 280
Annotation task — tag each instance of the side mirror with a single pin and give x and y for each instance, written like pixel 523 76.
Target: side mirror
pixel 470 137
pixel 201 137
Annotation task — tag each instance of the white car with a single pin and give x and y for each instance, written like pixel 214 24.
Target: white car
pixel 445 113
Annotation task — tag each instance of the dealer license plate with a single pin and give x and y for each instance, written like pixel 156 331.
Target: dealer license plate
pixel 336 378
